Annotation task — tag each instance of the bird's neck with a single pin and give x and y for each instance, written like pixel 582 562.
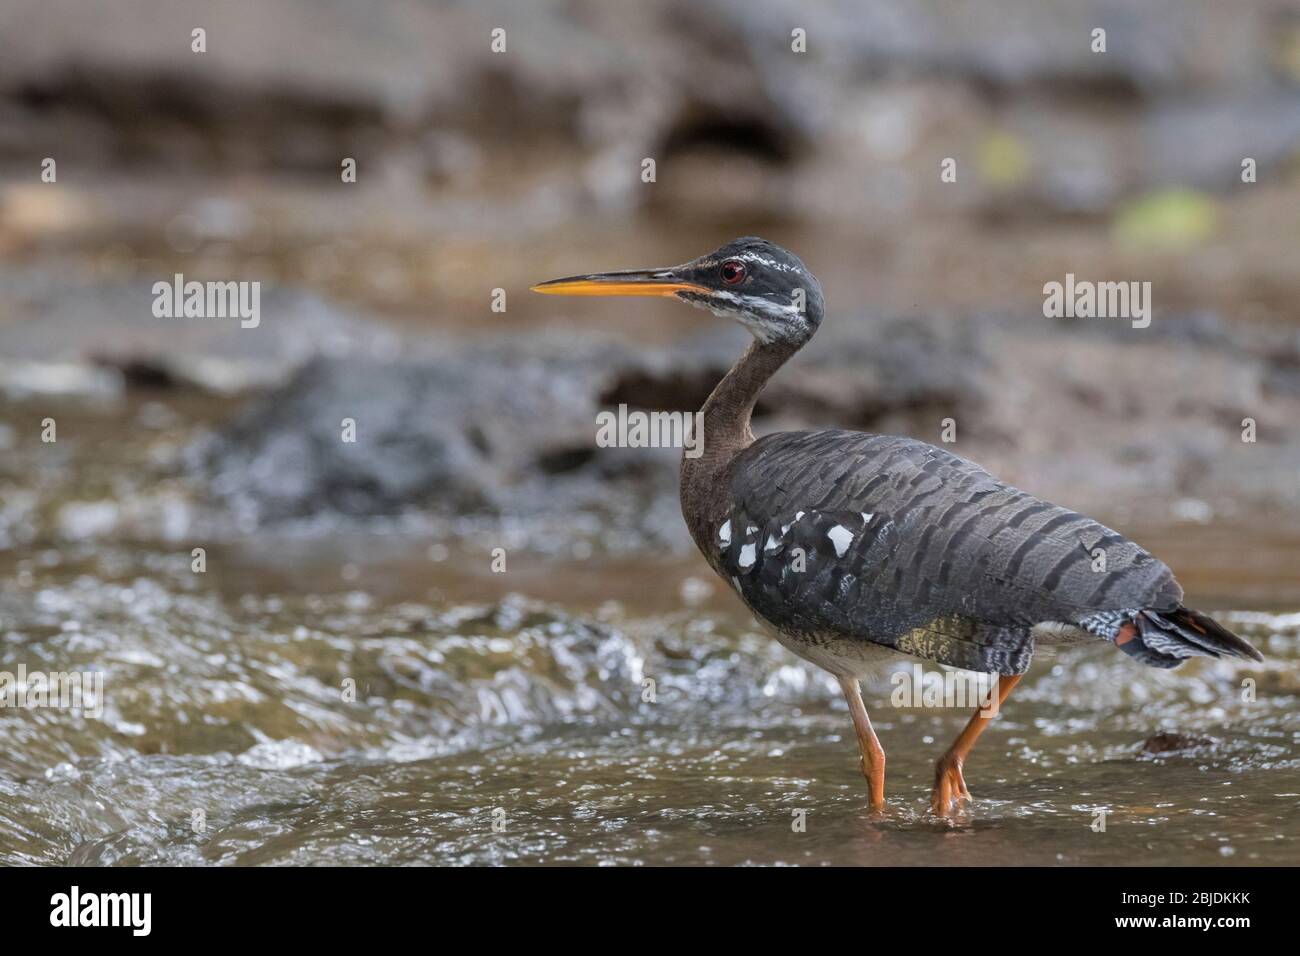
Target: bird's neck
pixel 725 422
pixel 728 409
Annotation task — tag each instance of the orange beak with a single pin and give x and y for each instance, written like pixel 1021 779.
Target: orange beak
pixel 648 282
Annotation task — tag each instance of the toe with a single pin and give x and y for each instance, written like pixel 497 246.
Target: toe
pixel 949 787
pixel 941 797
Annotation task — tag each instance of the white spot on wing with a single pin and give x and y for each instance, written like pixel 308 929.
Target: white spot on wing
pixel 724 533
pixel 841 537
pixel 748 554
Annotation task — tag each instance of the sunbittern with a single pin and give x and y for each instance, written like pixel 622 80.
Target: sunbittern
pixel 856 548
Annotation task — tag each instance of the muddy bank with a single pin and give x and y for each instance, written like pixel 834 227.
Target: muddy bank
pixel 65 332
pixel 473 163
pixel 418 94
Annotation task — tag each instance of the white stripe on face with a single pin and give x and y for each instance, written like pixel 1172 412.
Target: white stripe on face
pixel 766 320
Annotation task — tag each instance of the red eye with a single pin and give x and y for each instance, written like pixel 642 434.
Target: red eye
pixel 732 271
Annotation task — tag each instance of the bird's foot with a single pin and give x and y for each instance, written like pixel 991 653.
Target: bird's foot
pixel 949 787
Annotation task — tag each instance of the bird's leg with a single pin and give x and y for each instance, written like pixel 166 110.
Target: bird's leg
pixel 949 785
pixel 873 755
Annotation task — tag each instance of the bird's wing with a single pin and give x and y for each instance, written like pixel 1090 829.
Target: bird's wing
pixel 900 543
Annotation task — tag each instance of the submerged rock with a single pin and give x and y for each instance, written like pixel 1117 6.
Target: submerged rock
pixel 1170 742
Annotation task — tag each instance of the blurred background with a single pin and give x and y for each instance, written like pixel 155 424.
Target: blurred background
pixel 481 170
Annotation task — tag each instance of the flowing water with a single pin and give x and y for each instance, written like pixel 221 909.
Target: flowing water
pixel 362 696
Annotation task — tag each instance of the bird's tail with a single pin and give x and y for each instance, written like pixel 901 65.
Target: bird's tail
pixel 1167 638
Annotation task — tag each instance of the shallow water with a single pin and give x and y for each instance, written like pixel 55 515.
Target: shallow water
pixel 517 731
pixel 502 718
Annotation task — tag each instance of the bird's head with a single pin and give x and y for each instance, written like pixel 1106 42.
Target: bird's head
pixel 762 286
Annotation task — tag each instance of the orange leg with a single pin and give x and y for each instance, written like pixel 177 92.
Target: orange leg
pixel 949 785
pixel 873 755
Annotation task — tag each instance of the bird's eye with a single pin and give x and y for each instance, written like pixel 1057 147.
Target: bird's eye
pixel 732 271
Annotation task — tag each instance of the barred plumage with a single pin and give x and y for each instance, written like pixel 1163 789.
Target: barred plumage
pixel 951 563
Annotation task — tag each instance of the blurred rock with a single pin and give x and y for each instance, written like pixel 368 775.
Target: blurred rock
pixel 509 426
pixel 440 433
